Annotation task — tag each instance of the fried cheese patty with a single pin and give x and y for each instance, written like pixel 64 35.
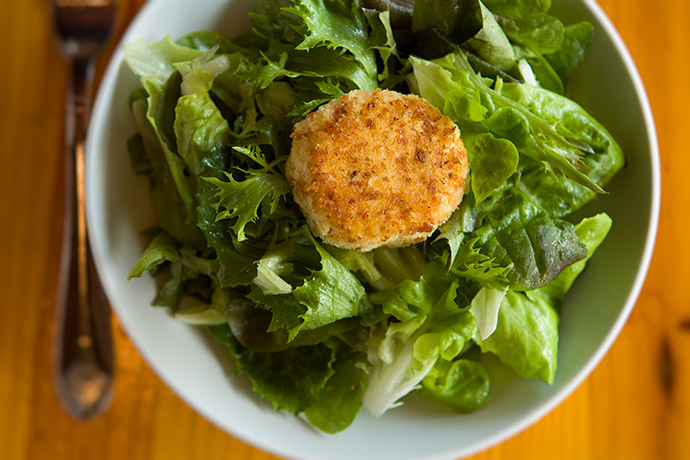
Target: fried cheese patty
pixel 374 169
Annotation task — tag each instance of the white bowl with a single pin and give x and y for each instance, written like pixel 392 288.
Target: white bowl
pixel 607 85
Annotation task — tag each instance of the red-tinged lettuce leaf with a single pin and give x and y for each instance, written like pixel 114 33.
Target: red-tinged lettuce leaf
pixel 534 245
pixel 526 337
pixel 591 231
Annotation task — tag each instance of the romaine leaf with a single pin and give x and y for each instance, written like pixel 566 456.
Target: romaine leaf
pixel 198 74
pixel 174 217
pixel 153 61
pixel 198 127
pixel 138 157
pixel 382 38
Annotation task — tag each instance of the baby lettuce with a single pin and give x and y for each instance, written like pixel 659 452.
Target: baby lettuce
pixel 323 331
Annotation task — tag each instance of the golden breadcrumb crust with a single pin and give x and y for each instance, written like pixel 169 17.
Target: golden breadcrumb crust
pixel 375 169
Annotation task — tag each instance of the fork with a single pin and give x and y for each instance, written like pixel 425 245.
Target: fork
pixel 83 350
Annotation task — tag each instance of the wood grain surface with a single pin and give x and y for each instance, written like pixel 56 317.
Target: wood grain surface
pixel 635 405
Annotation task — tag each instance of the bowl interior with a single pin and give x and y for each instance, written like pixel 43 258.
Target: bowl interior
pixel 118 209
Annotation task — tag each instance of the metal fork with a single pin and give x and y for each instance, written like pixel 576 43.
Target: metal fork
pixel 83 351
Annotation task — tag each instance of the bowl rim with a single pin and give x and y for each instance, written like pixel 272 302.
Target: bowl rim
pixel 528 418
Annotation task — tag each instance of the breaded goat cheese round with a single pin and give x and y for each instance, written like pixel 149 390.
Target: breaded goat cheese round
pixel 374 169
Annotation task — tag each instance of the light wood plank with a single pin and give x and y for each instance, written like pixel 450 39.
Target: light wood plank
pixel 634 406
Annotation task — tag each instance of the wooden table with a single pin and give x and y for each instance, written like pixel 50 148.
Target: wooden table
pixel 635 405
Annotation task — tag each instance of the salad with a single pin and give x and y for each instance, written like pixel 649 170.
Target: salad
pixel 323 331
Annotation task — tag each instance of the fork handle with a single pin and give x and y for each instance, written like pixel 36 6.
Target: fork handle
pixel 83 361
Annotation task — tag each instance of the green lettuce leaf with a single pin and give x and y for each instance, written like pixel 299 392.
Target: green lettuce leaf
pixel 240 200
pixel 154 63
pixel 526 336
pixel 138 157
pixel 336 24
pixel 430 326
pixel 198 126
pixel 288 379
pixel 313 38
pixel 327 293
pixel 451 85
pixel 462 384
pixel 325 381
pixel 543 72
pixel 458 19
pixel 491 44
pixel 492 162
pixel 576 41
pixel 340 400
pixel 331 293
pixel 382 38
pixel 174 217
pixel 485 307
pixel 162 248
